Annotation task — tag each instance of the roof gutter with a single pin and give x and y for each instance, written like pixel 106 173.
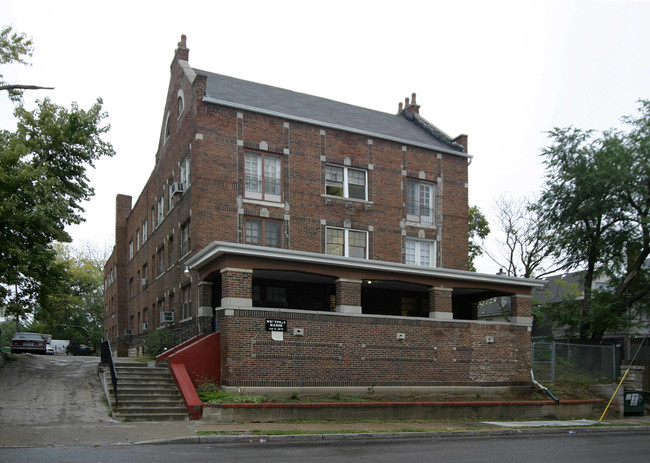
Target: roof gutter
pixel 218 248
pixel 329 125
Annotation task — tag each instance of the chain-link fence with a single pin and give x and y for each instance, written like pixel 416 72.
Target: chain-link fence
pixel 554 361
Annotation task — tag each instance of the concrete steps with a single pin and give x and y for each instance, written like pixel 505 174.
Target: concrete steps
pixel 147 393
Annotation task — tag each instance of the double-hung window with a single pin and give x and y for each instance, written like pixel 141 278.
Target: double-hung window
pixel 420 253
pixel 345 242
pixel 420 202
pixel 186 301
pixel 346 182
pixel 264 233
pixel 185 171
pixel 186 236
pixel 161 210
pixel 263 177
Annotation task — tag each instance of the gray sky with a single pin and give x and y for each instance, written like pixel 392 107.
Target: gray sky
pixel 502 72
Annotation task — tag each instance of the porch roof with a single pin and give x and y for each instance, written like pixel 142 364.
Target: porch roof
pixel 218 249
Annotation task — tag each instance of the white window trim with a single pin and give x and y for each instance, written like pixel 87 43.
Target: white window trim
pixel 346 191
pixel 262 195
pixel 166 129
pixel 418 218
pixel 418 243
pixel 346 242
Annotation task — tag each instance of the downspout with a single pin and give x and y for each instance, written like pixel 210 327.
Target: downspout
pixel 543 389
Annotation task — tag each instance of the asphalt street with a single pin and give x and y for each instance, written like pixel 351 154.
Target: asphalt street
pixel 610 448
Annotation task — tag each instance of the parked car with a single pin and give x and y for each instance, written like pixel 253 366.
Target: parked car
pixel 78 348
pixel 49 350
pixel 28 342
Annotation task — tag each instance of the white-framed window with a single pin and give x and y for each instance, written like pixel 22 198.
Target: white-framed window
pixel 421 253
pixel 420 202
pixel 131 249
pixel 161 210
pixel 264 233
pixel 186 236
pixel 167 128
pixel 346 182
pixel 185 171
pixel 263 177
pixel 186 302
pixel 346 242
pixel 144 231
pixel 137 239
pixel 170 196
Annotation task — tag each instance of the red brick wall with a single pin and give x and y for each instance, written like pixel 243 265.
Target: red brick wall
pixel 217 138
pixel 364 351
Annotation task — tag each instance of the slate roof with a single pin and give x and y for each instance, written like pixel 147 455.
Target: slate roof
pixel 323 112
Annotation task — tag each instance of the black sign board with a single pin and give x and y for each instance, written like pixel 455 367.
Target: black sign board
pixel 276 325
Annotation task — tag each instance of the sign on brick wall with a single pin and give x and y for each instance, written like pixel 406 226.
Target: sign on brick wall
pixel 276 325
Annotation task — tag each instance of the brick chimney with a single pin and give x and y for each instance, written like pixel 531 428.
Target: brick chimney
pixel 409 106
pixel 182 52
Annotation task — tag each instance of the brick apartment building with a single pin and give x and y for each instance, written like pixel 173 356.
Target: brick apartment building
pixel 326 243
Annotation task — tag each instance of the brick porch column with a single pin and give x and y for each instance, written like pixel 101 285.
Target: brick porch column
pixel 521 309
pixel 440 306
pixel 236 288
pixel 348 296
pixel 205 299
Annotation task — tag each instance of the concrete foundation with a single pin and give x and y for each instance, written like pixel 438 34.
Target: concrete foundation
pixel 479 410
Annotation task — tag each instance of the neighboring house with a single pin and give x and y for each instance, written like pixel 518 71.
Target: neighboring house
pixel 565 286
pixel 326 243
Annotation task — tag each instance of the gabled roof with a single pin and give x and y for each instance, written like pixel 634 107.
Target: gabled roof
pixel 402 128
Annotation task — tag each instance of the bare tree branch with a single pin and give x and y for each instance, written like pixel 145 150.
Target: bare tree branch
pixel 24 87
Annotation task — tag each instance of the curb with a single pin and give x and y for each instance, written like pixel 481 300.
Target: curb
pixel 264 439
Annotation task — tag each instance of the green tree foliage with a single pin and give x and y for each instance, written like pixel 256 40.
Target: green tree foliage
pixel 43 184
pixel 479 229
pixel 74 306
pixel 596 206
pixel 14 47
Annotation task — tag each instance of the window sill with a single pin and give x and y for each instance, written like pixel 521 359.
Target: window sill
pixel 261 202
pixel 420 225
pixel 343 199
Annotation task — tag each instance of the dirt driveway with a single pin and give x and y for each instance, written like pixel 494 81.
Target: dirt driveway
pixel 39 392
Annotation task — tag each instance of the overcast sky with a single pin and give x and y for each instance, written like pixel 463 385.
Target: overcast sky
pixel 502 72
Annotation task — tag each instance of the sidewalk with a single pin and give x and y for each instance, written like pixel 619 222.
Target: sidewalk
pixel 187 432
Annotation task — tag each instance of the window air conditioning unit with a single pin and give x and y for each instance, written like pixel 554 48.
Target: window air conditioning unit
pixel 128 332
pixel 166 317
pixel 143 282
pixel 178 188
pixel 145 326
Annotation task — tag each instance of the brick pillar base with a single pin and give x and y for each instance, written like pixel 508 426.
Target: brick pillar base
pixel 521 311
pixel 440 306
pixel 348 296
pixel 236 288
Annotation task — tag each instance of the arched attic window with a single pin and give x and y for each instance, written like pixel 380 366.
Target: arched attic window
pixel 181 102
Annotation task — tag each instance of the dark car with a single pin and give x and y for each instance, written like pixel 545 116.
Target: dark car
pixel 28 342
pixel 78 348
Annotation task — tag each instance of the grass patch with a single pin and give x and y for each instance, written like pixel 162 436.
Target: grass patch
pixel 220 397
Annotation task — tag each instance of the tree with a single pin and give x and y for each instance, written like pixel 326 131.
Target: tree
pixel 74 307
pixel 595 206
pixel 42 186
pixel 13 48
pixel 479 229
pixel 524 247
